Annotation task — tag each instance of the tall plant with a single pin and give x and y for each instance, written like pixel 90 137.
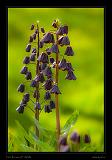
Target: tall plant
pixel 42 55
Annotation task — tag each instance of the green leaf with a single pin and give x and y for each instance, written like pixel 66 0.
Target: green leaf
pixel 70 122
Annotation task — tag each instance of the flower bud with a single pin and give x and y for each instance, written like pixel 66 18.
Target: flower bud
pixel 32 26
pixel 48 72
pixel 47 108
pixel 41 44
pixel 36 94
pixel 28 48
pixel 87 138
pixel 54 24
pixel 54 48
pixel 33 83
pixel 43 58
pixel 47 96
pixel 24 70
pixel 26 97
pixel 70 75
pixel 31 39
pixel 32 57
pixel 36 31
pixel 48 84
pixel 20 109
pixel 34 50
pixel 42 30
pixel 37 106
pixel 60 31
pixel 51 60
pixel 23 103
pixel 75 137
pixel 52 104
pixel 34 36
pixel 28 75
pixel 63 140
pixel 55 89
pixel 26 60
pixel 64 148
pixel 69 51
pixel 62 64
pixel 21 88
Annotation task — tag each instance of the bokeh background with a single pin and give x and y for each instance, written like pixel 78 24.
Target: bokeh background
pixel 86 94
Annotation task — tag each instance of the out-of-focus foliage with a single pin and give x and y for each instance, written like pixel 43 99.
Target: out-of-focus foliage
pixel 86 94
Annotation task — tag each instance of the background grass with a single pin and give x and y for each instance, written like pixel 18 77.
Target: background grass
pixel 86 33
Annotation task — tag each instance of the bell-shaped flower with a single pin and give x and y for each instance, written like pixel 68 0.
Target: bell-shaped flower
pixel 54 48
pixel 62 64
pixel 47 108
pixel 37 106
pixel 20 109
pixel 52 104
pixel 36 94
pixel 48 38
pixel 31 39
pixel 48 84
pixel 32 57
pixel 70 75
pixel 69 66
pixel 26 60
pixel 55 89
pixel 28 75
pixel 75 137
pixel 40 77
pixel 26 97
pixel 43 57
pixel 69 51
pixel 47 96
pixel 48 72
pixel 33 83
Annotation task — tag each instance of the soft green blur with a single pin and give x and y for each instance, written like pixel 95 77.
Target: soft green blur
pixel 86 94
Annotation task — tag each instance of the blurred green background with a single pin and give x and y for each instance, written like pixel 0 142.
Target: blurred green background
pixel 86 94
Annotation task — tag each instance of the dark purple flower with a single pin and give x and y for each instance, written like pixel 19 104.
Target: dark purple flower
pixel 87 138
pixel 48 84
pixel 43 66
pixel 64 148
pixel 26 97
pixel 69 66
pixel 52 104
pixel 63 140
pixel 55 89
pixel 24 70
pixel 36 94
pixel 31 39
pixel 40 77
pixel 37 106
pixel 60 40
pixel 70 75
pixel 34 36
pixel 28 48
pixel 48 38
pixel 75 137
pixel 36 31
pixel 21 88
pixel 41 44
pixel 43 58
pixel 32 57
pixel 28 75
pixel 69 51
pixel 47 108
pixel 65 41
pixel 34 50
pixel 54 48
pixel 62 64
pixel 47 96
pixel 26 60
pixel 48 72
pixel 42 30
pixel 20 109
pixel 32 26
pixel 48 51
pixel 62 30
pixel 51 60
pixel 33 83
